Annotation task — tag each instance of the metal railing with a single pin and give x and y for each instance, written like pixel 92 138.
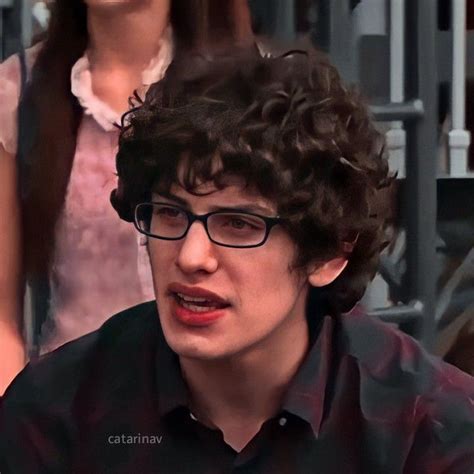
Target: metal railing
pixel 15 26
pixel 413 43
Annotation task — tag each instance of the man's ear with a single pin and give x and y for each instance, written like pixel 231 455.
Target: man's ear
pixel 323 274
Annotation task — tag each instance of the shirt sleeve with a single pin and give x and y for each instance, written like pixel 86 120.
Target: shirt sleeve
pixel 10 85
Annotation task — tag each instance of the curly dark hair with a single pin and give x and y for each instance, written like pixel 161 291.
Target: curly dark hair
pixel 287 126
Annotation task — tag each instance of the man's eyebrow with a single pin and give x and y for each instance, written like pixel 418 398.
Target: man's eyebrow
pixel 250 207
pixel 172 197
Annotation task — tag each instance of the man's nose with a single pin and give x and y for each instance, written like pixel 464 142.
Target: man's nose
pixel 197 252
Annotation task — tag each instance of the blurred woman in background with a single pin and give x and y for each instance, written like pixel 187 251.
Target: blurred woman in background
pixel 58 231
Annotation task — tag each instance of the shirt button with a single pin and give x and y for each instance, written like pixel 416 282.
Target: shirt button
pixel 282 421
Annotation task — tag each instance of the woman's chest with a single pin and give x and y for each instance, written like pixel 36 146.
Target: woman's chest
pixel 93 175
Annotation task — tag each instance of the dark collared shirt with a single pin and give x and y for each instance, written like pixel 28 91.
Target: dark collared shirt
pixel 367 399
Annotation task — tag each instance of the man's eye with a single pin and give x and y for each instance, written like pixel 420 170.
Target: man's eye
pixel 167 212
pixel 243 223
pixel 237 223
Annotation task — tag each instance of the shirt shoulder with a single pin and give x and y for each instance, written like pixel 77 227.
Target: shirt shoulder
pixel 400 380
pixel 384 352
pixel 57 374
pixel 40 404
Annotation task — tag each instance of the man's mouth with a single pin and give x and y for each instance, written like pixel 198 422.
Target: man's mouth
pixel 198 304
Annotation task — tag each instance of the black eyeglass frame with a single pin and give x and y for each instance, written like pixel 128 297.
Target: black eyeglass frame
pixel 270 222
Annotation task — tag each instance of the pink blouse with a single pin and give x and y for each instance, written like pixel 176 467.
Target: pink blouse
pixel 100 265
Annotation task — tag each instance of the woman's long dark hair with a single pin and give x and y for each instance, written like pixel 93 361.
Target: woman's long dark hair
pixel 50 115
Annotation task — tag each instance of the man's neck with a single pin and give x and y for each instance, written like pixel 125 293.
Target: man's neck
pixel 240 393
pixel 126 36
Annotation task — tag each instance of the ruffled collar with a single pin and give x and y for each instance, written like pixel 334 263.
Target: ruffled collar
pixel 105 116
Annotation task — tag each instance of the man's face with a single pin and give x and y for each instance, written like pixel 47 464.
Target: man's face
pixel 255 299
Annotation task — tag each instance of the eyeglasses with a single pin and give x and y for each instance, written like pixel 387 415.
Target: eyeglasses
pixel 227 228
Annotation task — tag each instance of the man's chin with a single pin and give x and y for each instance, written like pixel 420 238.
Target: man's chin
pixel 194 342
pixel 196 348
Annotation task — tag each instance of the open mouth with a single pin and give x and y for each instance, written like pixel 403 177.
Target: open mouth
pixel 198 304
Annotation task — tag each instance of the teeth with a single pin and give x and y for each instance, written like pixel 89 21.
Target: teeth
pixel 192 298
pixel 197 309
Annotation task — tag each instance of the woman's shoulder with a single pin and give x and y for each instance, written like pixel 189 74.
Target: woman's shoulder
pixel 10 69
pixel 10 85
pixel 10 89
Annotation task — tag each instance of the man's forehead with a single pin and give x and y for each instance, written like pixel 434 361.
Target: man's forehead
pixel 233 193
pixel 217 187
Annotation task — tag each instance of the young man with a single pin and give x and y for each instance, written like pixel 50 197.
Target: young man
pixel 255 181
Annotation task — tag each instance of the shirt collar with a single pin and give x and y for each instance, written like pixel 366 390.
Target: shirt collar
pixel 306 394
pixel 172 391
pixel 104 115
